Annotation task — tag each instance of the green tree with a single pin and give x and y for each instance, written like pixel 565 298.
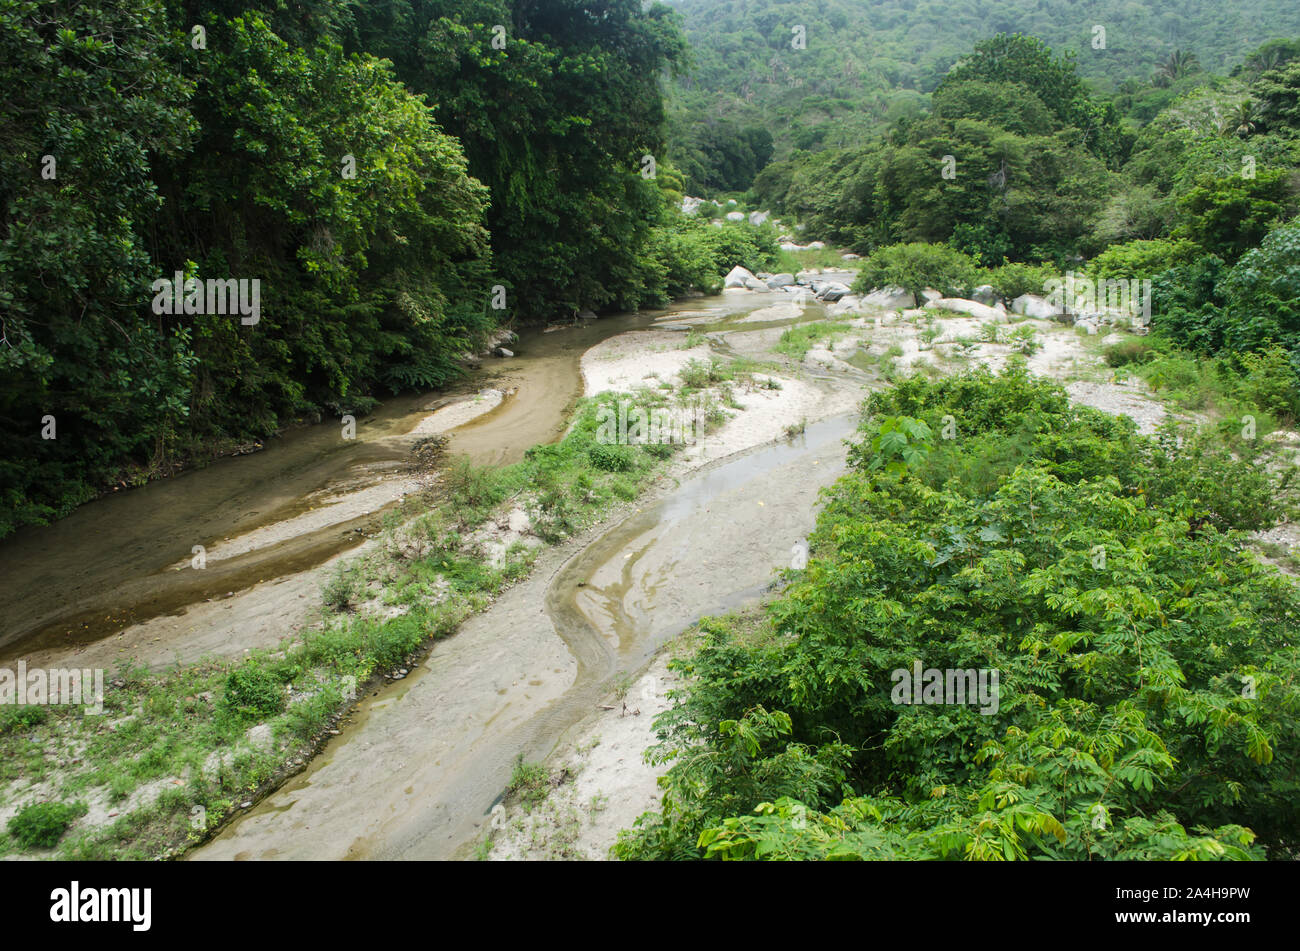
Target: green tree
pixel 915 267
pixel 1227 216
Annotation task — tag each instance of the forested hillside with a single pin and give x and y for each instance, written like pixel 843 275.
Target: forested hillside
pixel 864 63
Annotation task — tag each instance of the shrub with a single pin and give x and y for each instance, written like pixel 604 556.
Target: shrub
pixel 1128 351
pixel 915 267
pixel 41 825
pixel 472 486
pixel 22 717
pixel 610 458
pixel 252 691
pixel 1012 280
pixel 529 782
pixel 1269 382
pixel 1140 259
pixel 340 592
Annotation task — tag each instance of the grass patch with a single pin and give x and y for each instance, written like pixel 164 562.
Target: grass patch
pixel 797 341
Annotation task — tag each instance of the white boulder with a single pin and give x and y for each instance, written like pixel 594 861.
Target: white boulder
pixel 1031 305
pixel 832 291
pixel 890 298
pixel 973 308
pixel 738 277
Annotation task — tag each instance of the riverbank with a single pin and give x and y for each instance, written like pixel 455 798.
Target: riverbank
pixel 562 574
pixel 163 781
pixel 574 804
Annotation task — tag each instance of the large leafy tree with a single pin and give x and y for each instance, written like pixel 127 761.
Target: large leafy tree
pixel 220 157
pixel 557 105
pixel 90 100
pixel 1027 61
pixel 1277 94
pixel 1229 215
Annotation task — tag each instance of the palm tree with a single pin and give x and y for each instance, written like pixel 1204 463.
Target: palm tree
pixel 1241 121
pixel 1179 64
pixel 1266 60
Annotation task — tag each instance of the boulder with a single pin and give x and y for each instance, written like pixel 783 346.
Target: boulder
pixel 587 314
pixel 890 298
pixel 1031 305
pixel 930 294
pixel 832 291
pixel 962 306
pixel 735 216
pixel 820 357
pixel 754 284
pixel 756 218
pixel 502 352
pixel 985 294
pixel 738 277
pixel 780 280
pixel 817 245
pixel 850 257
pixel 845 305
pixel 791 246
pixel 1087 326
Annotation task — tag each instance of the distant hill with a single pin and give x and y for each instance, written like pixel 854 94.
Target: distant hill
pixel 864 62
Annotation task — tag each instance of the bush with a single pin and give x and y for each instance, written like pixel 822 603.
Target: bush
pixel 915 267
pixel 1261 294
pixel 1140 259
pixel 610 458
pixel 1128 351
pixel 22 717
pixel 253 692
pixel 1269 382
pixel 1012 280
pixel 472 487
pixel 340 592
pixel 41 825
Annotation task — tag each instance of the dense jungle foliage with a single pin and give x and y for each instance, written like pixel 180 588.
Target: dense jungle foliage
pixel 400 177
pixel 863 64
pixel 1147 696
pixel 1147 663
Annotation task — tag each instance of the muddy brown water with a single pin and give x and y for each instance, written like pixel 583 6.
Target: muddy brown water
pixel 111 563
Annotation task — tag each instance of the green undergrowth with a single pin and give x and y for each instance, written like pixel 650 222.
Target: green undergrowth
pixel 1147 698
